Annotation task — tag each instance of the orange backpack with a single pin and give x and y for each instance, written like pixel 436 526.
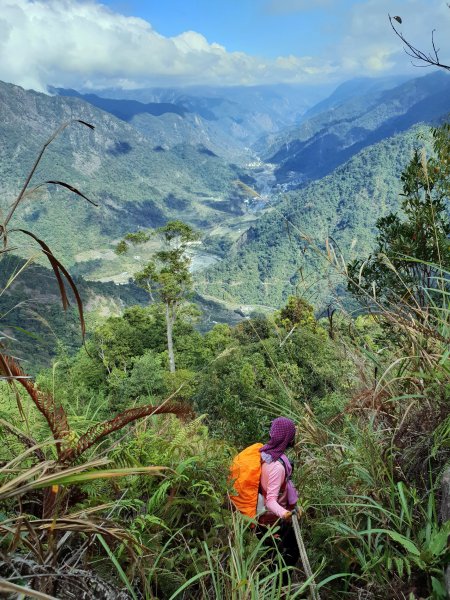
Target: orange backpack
pixel 245 473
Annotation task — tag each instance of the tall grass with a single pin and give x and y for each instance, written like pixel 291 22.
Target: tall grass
pixel 371 475
pixel 368 478
pixel 244 568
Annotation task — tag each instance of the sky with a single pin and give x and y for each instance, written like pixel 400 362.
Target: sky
pixel 143 43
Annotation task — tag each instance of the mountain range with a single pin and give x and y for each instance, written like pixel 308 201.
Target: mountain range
pixel 358 114
pixel 225 120
pixel 344 163
pixel 285 252
pixel 134 182
pixel 327 165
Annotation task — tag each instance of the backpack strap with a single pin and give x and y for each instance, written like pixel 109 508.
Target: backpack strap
pixel 285 468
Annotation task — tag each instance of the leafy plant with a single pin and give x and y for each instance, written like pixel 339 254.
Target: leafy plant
pixel 401 268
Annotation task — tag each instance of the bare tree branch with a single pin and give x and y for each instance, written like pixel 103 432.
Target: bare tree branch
pixel 429 60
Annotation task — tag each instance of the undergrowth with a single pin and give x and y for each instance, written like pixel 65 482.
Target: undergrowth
pixel 103 493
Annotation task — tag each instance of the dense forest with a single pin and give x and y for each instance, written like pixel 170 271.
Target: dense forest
pixel 282 253
pixel 115 459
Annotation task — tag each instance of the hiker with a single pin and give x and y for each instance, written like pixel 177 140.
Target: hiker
pixel 277 493
pixel 262 488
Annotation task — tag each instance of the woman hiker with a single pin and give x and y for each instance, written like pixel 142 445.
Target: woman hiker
pixel 277 492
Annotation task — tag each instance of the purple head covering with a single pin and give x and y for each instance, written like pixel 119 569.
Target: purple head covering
pixel 282 433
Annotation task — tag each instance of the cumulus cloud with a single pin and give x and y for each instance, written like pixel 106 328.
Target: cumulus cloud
pixel 82 43
pixel 74 43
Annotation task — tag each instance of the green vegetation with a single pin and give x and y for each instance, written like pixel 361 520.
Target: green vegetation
pixel 113 474
pixel 390 273
pixel 285 252
pixel 31 311
pixel 167 277
pixel 369 491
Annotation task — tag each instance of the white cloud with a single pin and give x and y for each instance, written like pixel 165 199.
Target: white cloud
pixel 82 43
pixel 75 43
pixel 370 46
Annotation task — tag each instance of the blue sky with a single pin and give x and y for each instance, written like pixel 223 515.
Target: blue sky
pixel 254 26
pixel 95 44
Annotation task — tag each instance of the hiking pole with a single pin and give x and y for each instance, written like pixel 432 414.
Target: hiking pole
pixel 304 557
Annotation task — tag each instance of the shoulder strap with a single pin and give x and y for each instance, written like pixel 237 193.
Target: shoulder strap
pixel 288 475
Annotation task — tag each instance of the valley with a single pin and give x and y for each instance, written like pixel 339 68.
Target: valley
pixel 163 154
pixel 224 300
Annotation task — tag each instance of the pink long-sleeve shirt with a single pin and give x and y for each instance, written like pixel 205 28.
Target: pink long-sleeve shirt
pixel 273 475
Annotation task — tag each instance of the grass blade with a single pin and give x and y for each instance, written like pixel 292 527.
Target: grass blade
pixel 116 563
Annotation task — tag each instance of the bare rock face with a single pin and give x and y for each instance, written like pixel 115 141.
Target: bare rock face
pixel 444 515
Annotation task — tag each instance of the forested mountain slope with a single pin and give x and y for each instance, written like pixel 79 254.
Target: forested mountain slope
pixel 332 136
pixel 32 316
pixel 170 123
pixel 134 182
pixel 272 260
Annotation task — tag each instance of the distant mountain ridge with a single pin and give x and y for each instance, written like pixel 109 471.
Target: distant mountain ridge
pixel 354 88
pixel 124 109
pixel 333 135
pixel 268 107
pixel 226 120
pixel 171 123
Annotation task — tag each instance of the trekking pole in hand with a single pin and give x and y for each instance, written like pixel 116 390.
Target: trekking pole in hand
pixel 304 557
